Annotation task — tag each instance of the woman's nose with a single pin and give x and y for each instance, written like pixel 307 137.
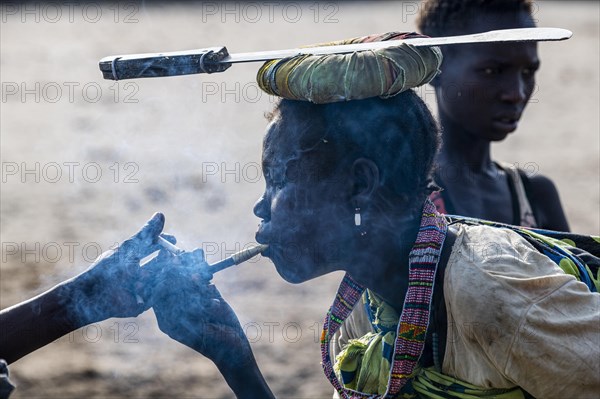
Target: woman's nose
pixel 261 208
pixel 515 90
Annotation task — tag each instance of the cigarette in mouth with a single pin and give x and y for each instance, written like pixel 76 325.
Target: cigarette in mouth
pixel 235 259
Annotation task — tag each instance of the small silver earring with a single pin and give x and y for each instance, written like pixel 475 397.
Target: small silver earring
pixel 357 219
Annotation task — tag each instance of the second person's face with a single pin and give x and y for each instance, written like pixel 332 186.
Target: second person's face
pixel 485 87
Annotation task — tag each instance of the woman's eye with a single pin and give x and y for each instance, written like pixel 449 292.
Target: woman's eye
pixel 268 177
pixel 491 71
pixel 277 184
pixel 274 181
pixel 529 71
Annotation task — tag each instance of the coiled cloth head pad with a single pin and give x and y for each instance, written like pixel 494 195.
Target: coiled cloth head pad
pixel 343 77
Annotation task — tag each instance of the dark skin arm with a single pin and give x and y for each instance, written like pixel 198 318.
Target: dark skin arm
pixel 546 203
pixel 35 323
pixel 109 288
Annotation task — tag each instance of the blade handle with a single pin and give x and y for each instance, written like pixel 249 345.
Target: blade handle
pixel 168 64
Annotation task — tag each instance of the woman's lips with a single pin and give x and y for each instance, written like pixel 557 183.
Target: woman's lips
pixel 267 252
pixel 261 235
pixel 261 240
pixel 506 123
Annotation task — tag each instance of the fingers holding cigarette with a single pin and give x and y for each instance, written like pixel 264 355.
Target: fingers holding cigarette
pixel 235 259
pixel 167 246
pixel 194 259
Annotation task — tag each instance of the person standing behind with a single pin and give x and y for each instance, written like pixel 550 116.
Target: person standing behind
pixel 481 95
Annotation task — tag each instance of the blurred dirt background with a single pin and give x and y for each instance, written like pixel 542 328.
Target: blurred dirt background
pixel 110 154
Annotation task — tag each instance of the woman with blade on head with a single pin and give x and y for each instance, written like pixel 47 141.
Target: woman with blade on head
pixel 430 306
pixel 427 308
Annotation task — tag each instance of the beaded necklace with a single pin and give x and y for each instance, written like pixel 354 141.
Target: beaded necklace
pixel 412 328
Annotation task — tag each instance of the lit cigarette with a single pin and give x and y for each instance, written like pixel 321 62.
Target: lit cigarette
pixel 167 246
pixel 235 259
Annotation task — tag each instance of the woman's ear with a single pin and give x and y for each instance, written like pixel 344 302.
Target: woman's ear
pixel 366 179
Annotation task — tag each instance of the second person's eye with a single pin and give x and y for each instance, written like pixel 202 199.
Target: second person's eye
pixel 491 71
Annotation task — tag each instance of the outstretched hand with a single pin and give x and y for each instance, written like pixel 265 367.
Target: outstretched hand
pixel 112 286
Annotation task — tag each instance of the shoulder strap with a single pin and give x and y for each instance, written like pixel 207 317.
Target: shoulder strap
pixel 522 210
pixel 528 194
pixel 514 194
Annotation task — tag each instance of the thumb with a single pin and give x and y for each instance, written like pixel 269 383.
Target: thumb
pixel 149 233
pixel 141 244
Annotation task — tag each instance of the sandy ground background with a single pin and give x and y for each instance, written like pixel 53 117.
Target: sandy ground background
pixel 190 147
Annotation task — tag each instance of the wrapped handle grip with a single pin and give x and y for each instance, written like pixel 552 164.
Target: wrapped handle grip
pixel 164 64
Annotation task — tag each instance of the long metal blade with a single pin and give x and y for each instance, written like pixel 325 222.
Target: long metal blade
pixel 505 35
pixel 217 59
